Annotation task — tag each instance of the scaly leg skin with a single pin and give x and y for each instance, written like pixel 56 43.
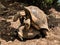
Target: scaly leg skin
pixel 44 33
pixel 27 24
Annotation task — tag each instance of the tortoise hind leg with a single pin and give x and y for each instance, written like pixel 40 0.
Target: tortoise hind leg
pixel 43 32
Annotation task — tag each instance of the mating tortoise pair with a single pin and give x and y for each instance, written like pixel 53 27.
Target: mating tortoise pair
pixel 35 23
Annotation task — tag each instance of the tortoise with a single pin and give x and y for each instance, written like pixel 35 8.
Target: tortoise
pixel 39 23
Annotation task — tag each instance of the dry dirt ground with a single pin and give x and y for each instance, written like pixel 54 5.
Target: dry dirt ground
pixel 53 38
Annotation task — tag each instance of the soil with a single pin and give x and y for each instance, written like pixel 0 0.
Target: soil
pixel 53 38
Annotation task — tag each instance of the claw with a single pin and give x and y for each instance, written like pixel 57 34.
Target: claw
pixel 20 36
